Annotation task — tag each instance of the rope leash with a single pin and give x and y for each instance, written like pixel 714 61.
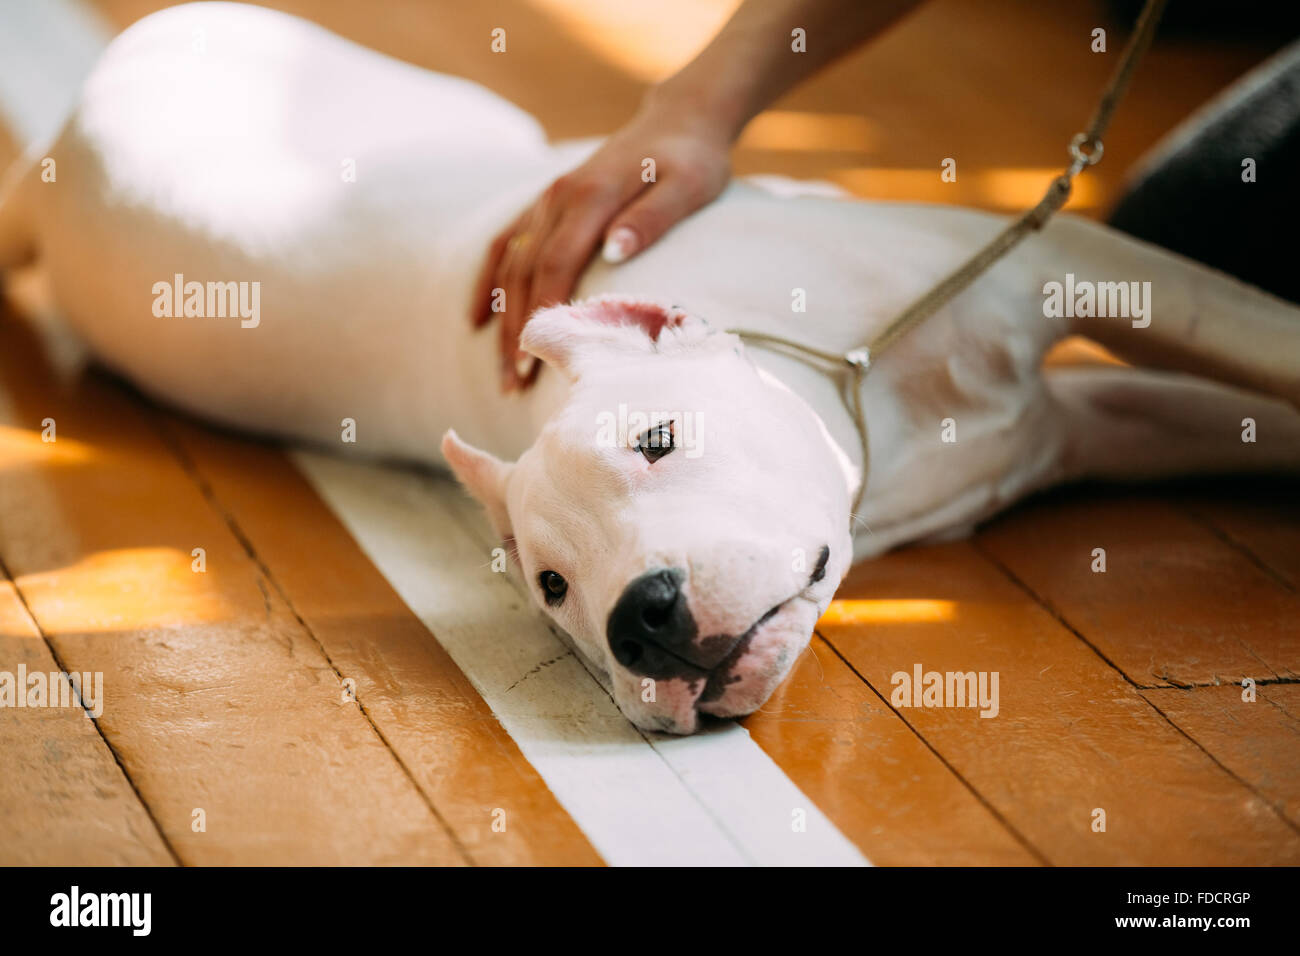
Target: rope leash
pixel 1085 150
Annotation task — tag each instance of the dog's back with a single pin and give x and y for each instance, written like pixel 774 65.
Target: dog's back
pixel 225 163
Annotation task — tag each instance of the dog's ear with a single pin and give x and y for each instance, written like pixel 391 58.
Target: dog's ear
pixel 567 337
pixel 483 475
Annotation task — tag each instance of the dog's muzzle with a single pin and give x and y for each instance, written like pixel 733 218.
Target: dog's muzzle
pixel 652 633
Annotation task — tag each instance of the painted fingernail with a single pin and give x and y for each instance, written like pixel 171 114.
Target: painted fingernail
pixel 619 244
pixel 524 365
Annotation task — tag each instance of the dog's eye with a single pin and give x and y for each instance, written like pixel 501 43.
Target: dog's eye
pixel 656 441
pixel 554 587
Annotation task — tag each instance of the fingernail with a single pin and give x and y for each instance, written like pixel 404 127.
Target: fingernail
pixel 619 244
pixel 524 365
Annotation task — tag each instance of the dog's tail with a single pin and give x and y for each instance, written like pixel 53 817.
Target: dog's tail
pixel 47 47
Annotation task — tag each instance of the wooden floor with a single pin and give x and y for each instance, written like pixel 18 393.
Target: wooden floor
pixel 287 706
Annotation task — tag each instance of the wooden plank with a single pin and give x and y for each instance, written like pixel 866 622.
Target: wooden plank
pixel 1070 736
pixel 643 799
pixel 1177 605
pixel 1260 516
pixel 876 779
pixel 215 697
pixel 431 716
pixel 1258 740
pixel 63 799
pixel 440 35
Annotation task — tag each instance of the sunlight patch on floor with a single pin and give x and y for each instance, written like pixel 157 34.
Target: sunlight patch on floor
pixel 888 612
pixel 126 589
pixel 23 447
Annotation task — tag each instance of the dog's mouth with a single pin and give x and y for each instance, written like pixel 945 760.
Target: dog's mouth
pixel 723 674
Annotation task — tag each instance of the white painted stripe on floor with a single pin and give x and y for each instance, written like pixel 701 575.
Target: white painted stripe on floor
pixel 641 799
pixel 47 48
pixel 713 799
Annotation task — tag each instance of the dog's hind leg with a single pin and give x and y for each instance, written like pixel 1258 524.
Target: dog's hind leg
pixel 1196 319
pixel 1132 424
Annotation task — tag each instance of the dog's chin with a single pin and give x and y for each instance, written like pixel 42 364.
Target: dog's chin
pixel 739 685
pixel 742 685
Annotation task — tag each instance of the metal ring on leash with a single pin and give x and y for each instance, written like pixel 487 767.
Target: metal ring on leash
pixel 1084 158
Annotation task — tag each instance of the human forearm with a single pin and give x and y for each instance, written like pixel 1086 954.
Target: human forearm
pixel 686 125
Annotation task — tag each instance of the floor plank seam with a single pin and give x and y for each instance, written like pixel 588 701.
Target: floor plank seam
pixel 1277 810
pixel 191 468
pixel 475 532
pixel 1259 682
pixel 1159 110
pixel 382 507
pixel 1276 705
pixel 1240 546
pixel 979 797
pixel 1047 606
pixel 1056 615
pixel 1252 652
pixel 1066 624
pixel 62 666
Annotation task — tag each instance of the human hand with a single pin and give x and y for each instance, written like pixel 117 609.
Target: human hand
pixel 610 199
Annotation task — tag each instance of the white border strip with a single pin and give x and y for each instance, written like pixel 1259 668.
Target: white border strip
pixel 712 799
pixel 642 799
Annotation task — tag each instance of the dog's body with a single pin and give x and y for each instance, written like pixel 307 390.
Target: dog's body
pixel 231 144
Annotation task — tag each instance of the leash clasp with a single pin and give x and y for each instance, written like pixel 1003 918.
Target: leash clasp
pixel 859 358
pixel 1086 151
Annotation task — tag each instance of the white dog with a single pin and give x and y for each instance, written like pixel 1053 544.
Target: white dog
pixel 274 228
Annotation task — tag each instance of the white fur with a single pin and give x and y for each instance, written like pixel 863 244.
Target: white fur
pixel 211 141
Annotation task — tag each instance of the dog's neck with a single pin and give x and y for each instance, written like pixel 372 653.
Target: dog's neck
pixel 824 391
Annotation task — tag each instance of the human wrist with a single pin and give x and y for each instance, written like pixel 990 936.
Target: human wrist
pixel 705 108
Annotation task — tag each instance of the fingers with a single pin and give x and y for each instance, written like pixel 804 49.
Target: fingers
pixel 553 274
pixel 480 303
pixel 538 260
pixel 652 214
pixel 515 275
pixel 539 263
pixel 565 253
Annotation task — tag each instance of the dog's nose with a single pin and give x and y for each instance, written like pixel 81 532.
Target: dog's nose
pixel 651 631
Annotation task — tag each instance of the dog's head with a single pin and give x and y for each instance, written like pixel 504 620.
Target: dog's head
pixel 684 517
